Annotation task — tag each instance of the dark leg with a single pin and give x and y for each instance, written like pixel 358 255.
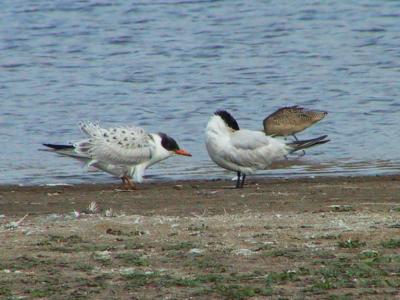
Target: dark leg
pixel 238 180
pixel 243 178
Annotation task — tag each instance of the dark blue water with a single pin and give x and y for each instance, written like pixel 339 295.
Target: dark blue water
pixel 167 65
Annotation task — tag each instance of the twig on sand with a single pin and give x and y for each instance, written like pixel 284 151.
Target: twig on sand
pixel 200 216
pixel 123 190
pixel 14 225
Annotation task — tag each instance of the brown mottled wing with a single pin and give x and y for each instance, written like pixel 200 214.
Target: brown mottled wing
pixel 290 120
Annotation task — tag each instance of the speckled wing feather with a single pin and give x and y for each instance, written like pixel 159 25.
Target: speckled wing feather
pixel 284 115
pixel 118 146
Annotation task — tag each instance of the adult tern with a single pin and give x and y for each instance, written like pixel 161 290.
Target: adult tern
pixel 246 151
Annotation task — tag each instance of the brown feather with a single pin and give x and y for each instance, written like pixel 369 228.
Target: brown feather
pixel 291 120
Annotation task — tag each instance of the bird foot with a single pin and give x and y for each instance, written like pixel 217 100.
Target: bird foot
pixel 302 153
pixel 127 184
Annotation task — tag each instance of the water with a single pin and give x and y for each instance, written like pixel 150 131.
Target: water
pixel 167 65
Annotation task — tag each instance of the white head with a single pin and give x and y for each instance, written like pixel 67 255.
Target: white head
pixel 222 122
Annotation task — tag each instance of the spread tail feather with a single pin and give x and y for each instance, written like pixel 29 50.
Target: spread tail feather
pixel 304 144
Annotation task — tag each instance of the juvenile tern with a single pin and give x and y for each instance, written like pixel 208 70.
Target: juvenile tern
pixel 121 151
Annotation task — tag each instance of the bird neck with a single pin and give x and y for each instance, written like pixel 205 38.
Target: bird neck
pixel 216 126
pixel 159 152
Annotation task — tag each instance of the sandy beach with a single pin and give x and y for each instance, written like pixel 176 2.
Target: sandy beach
pixel 323 238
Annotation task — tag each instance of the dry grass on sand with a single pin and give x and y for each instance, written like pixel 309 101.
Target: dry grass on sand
pixel 334 238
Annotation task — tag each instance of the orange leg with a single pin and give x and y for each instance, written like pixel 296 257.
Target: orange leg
pixel 124 182
pixel 127 183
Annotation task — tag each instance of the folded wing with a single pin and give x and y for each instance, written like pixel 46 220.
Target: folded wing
pixel 254 149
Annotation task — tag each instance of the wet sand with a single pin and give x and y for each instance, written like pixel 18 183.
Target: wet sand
pixel 324 238
pixel 185 197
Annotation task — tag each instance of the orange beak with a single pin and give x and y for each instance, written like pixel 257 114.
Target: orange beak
pixel 182 152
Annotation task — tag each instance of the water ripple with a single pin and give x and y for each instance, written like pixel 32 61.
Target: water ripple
pixel 167 65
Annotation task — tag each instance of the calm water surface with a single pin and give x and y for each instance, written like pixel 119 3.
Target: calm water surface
pixel 168 65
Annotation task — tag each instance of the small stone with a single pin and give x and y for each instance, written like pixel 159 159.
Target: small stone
pixel 196 251
pixel 53 194
pixel 102 256
pixel 244 252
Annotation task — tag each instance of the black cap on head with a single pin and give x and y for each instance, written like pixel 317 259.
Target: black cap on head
pixel 228 119
pixel 168 142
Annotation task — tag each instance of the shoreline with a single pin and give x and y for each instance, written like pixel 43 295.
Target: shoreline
pixel 182 197
pixel 254 179
pixel 275 238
